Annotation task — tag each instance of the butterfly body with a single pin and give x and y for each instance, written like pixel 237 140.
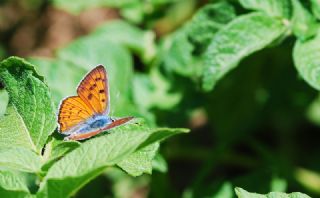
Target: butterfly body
pixel 95 122
pixel 83 116
pixel 99 121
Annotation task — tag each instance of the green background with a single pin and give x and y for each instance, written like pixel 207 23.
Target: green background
pixel 242 75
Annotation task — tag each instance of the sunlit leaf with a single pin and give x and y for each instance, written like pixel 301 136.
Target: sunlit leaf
pixel 13 184
pixel 153 91
pixel 270 7
pixel 19 158
pixel 56 149
pixel 207 21
pixel 226 190
pixel 31 98
pixel 316 8
pixel 304 24
pixel 183 48
pixel 13 131
pixel 4 98
pixel 306 58
pixel 72 172
pixel 55 72
pixel 240 38
pixel 123 33
pixel 244 194
pixel 140 161
pixel 159 163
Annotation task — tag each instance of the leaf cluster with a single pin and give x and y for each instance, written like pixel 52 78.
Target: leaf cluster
pixel 242 74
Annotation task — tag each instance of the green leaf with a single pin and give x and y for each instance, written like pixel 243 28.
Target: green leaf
pixel 135 12
pixel 13 184
pixel 273 8
pixel 19 158
pixel 56 149
pixel 90 51
pixel 81 165
pixel 244 194
pixel 316 8
pixel 278 184
pixel 60 148
pixel 123 33
pixel 13 131
pixel 207 21
pixel 55 72
pixel 31 98
pixel 159 163
pixel 306 59
pixel 304 25
pixel 226 190
pixel 152 91
pixel 76 6
pixel 4 98
pixel 140 161
pixel 161 134
pixel 182 48
pixel 177 56
pixel 240 38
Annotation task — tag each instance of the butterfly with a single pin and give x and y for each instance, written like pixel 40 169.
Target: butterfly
pixel 87 114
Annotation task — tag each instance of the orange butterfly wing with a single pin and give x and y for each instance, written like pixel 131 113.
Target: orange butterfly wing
pixel 72 111
pixel 94 90
pixel 93 98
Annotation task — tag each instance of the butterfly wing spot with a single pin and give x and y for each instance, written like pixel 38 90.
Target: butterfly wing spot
pixel 103 100
pixel 93 87
pixel 90 96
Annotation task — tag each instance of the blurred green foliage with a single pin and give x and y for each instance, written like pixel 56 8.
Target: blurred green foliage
pixel 243 75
